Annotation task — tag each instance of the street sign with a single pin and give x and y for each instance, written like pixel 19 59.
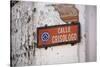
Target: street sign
pixel 58 35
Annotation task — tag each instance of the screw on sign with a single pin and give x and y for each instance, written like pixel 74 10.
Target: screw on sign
pixel 58 35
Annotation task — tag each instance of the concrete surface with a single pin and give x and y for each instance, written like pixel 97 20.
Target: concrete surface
pixel 26 17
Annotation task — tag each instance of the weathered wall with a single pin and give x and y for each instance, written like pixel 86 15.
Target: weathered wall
pixel 22 34
pixel 25 20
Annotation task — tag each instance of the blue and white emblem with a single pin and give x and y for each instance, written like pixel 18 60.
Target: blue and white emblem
pixel 45 36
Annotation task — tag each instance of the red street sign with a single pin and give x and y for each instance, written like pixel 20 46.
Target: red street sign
pixel 58 35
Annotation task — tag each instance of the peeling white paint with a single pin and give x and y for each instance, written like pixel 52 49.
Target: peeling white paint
pixel 25 21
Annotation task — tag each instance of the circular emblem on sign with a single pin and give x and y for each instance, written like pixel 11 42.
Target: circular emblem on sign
pixel 45 36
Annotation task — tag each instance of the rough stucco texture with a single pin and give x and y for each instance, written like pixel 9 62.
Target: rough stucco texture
pixel 25 20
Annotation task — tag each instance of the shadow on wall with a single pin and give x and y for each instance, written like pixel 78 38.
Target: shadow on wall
pixel 91 31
